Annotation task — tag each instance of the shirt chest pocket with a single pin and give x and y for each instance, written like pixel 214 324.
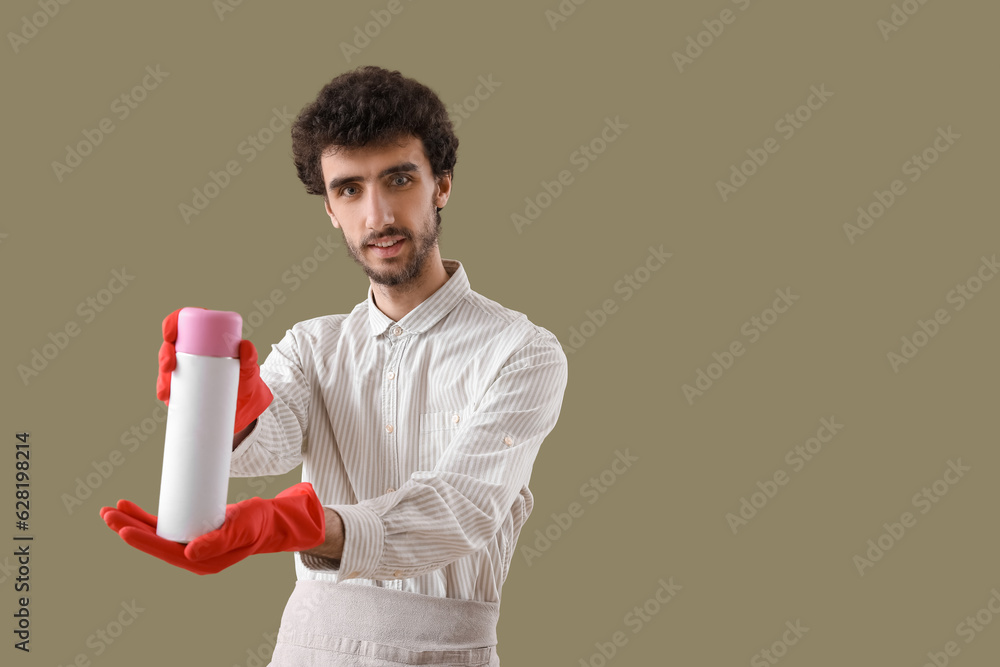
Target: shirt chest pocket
pixel 436 432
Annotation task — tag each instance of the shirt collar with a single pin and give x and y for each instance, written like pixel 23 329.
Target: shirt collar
pixel 430 310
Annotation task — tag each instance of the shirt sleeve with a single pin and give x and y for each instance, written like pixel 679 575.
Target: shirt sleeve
pixel 274 445
pixel 442 515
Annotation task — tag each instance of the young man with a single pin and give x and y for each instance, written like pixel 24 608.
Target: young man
pixel 416 417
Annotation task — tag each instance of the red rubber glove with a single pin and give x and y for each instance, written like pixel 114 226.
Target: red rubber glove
pixel 252 397
pixel 294 520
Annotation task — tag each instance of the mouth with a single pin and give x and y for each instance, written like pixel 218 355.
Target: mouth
pixel 388 247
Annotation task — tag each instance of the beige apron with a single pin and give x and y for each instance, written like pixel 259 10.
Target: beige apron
pixel 328 624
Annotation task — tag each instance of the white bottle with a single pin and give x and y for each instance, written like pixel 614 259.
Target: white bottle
pixel 201 416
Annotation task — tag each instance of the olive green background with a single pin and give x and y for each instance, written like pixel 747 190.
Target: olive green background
pixel 665 517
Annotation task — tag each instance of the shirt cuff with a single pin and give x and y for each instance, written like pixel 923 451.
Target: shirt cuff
pixel 364 541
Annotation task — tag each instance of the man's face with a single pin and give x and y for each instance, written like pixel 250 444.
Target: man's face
pixel 383 195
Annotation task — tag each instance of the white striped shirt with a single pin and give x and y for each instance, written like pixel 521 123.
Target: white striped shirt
pixel 420 433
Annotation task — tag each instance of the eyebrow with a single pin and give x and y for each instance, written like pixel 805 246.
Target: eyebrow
pixel 402 167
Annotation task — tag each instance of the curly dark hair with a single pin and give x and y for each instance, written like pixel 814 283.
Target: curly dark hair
pixel 371 106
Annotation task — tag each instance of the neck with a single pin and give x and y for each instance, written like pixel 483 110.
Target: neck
pixel 398 300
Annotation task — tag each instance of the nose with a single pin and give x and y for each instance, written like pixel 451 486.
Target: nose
pixel 378 210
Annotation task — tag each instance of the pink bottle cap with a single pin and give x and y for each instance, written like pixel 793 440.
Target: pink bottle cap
pixel 209 333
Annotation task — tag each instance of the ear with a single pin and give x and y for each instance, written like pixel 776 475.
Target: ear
pixel 329 212
pixel 443 190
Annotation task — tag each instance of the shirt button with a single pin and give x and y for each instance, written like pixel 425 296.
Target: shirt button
pixel 397 573
pixel 507 441
pixel 397 331
pixel 455 418
pixel 390 490
pixel 388 428
pixel 390 375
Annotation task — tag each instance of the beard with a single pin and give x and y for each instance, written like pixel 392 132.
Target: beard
pixel 402 272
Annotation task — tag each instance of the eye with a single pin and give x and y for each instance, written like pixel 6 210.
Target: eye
pixel 347 187
pixel 406 179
